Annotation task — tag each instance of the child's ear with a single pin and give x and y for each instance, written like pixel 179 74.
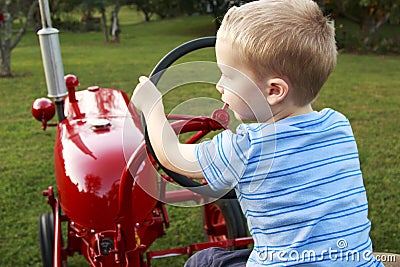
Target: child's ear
pixel 276 91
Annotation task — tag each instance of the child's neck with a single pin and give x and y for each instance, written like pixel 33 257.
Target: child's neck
pixel 280 114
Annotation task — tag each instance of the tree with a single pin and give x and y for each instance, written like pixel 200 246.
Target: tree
pixel 374 15
pixel 164 8
pixel 114 29
pixel 89 6
pixel 218 8
pixel 11 11
pixel 370 15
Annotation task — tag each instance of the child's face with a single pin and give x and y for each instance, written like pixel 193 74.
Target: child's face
pixel 237 86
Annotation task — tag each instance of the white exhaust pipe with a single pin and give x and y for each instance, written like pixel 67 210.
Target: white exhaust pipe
pixel 51 54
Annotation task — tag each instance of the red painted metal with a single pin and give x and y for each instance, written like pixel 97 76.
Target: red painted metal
pixel 43 110
pixel 57 259
pixel 108 190
pixel 136 200
pixel 89 158
pixel 71 81
pixel 99 192
pixel 215 224
pixel 181 196
pixel 59 251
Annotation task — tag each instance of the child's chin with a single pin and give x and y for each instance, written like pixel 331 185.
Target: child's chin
pixel 240 117
pixel 237 116
pixel 244 118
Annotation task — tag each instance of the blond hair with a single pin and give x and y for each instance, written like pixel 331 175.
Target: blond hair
pixel 287 38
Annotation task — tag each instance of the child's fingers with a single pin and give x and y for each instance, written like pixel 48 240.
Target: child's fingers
pixel 145 95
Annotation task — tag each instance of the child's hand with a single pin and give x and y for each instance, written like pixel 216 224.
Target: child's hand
pixel 146 95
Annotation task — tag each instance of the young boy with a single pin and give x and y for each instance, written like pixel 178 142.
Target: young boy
pixel 295 171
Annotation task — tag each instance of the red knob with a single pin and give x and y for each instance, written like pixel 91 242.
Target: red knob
pixel 43 109
pixel 71 80
pixel 221 116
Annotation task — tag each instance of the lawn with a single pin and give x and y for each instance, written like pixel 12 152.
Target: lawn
pixel 366 88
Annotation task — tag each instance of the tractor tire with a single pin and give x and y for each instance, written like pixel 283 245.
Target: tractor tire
pixel 223 220
pixel 46 238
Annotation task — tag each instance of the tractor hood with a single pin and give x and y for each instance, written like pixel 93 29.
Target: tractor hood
pixel 90 155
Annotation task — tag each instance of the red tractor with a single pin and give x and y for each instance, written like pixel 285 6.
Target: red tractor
pixel 112 196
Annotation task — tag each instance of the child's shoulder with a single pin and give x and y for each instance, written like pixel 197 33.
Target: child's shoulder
pixel 316 121
pixel 319 119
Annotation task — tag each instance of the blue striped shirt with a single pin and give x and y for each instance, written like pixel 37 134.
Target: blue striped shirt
pixel 300 187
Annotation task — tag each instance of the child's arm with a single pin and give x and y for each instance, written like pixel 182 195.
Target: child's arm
pixel 170 152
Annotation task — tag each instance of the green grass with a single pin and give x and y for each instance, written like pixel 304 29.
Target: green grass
pixel 365 88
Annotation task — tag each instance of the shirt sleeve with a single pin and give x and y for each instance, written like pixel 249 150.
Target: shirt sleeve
pixel 223 159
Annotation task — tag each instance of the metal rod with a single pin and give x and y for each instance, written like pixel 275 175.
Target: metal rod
pixel 45 13
pixel 59 102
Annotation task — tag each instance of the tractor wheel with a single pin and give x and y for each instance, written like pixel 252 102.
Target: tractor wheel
pixel 46 238
pixel 223 220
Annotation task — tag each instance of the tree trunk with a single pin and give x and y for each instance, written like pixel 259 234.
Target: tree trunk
pixel 5 68
pixel 371 23
pixel 367 24
pixel 104 25
pixel 146 15
pixel 114 29
pixel 6 42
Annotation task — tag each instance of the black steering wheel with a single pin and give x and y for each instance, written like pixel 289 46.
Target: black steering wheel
pixel 198 123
